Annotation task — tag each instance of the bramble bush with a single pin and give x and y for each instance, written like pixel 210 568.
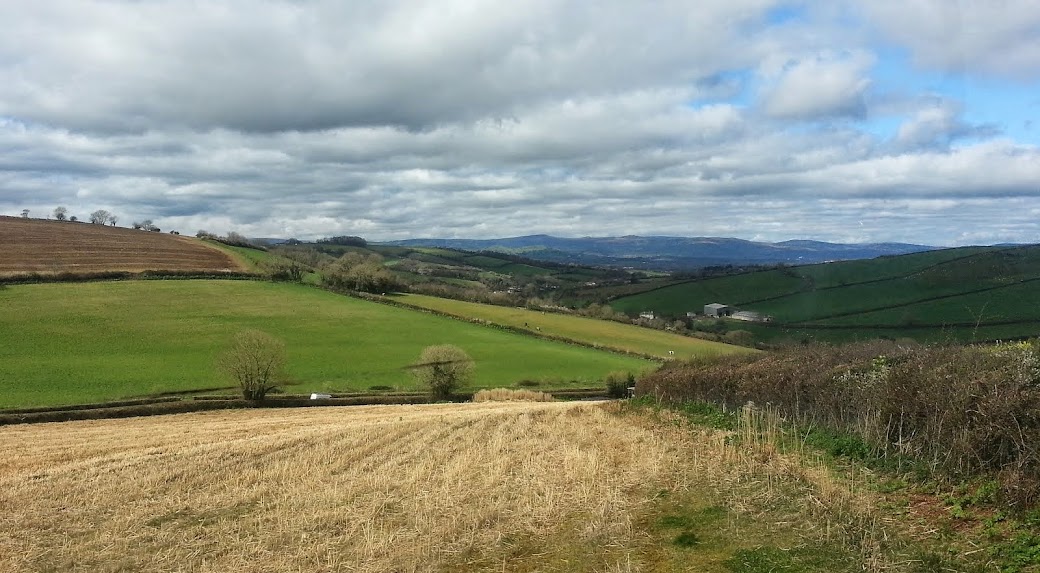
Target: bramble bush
pixel 962 410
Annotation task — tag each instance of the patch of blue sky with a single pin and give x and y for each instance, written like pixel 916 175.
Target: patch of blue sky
pixel 734 87
pixel 1012 109
pixel 786 12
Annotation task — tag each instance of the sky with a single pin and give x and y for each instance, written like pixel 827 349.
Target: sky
pixel 850 121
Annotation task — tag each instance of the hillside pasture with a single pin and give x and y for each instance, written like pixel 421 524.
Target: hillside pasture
pixel 973 293
pixel 51 247
pixel 601 333
pixel 90 342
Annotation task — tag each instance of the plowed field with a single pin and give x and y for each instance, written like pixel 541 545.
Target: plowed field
pixel 37 246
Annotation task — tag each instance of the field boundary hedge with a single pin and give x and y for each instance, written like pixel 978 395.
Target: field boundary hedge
pixel 74 277
pixel 960 411
pixel 169 405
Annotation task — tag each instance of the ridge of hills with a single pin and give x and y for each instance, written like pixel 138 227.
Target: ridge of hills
pixel 669 253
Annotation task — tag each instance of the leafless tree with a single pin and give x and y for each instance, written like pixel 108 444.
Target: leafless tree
pixel 255 360
pixel 100 217
pixel 60 213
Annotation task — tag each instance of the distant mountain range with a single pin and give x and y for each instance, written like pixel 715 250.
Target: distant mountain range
pixel 669 253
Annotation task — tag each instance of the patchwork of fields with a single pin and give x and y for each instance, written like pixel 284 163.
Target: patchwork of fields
pixel 975 293
pixel 603 333
pixel 89 342
pixel 37 246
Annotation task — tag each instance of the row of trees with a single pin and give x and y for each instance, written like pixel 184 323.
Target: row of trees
pixel 99 217
pixel 255 361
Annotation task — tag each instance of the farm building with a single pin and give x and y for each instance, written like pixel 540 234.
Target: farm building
pixel 716 309
pixel 647 314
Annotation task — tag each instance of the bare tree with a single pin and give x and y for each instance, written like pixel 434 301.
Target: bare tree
pixel 60 213
pixel 25 213
pixel 112 220
pixel 255 360
pixel 100 217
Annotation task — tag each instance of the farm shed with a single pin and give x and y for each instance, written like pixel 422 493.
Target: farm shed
pixel 648 314
pixel 716 309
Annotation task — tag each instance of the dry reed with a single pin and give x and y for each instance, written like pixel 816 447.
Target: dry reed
pixel 509 395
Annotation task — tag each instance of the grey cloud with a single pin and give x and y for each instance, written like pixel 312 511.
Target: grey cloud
pixel 397 119
pixel 982 36
pixel 272 66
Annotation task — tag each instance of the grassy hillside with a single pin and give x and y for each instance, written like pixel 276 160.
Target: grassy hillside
pixel 71 343
pixel 47 247
pixel 586 330
pixel 970 293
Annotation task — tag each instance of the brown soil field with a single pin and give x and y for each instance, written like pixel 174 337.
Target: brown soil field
pixel 39 246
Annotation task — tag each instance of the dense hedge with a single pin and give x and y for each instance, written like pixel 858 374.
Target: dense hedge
pixel 961 410
pixel 79 277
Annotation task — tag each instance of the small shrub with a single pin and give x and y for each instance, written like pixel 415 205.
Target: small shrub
pixel 443 369
pixel 618 384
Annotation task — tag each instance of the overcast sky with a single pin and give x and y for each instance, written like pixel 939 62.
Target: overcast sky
pixel 879 120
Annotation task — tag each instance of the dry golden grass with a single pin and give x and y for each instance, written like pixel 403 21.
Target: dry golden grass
pixel 492 486
pixel 511 395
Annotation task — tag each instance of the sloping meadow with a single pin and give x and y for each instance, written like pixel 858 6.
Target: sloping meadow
pixel 961 411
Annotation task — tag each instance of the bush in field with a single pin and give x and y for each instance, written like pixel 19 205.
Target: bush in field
pixel 618 384
pixel 443 369
pixel 354 271
pixel 255 361
pixel 283 270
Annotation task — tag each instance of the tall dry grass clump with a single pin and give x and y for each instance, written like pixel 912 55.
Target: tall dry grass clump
pixel 511 395
pixel 960 410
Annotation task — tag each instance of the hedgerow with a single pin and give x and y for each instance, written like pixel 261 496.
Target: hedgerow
pixel 959 410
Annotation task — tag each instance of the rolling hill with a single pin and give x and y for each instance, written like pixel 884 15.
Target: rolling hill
pixel 972 293
pixel 51 247
pixel 65 343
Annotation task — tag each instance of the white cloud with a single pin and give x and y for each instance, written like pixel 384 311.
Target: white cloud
pixel 819 86
pixel 993 37
pixel 394 119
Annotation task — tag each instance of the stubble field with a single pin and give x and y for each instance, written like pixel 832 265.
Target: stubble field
pixel 486 486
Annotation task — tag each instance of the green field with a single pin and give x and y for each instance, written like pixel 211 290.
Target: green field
pixel 973 293
pixel 585 330
pixel 75 343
